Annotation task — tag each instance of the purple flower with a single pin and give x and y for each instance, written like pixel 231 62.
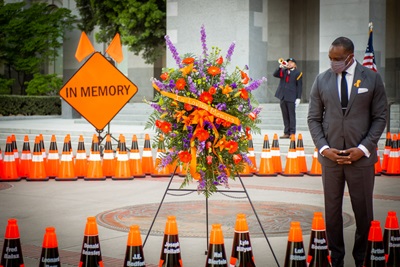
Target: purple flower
pixel 230 52
pixel 221 167
pixel 246 158
pixel 156 107
pixel 201 146
pixel 190 128
pixel 174 52
pixel 229 132
pixel 192 86
pixel 222 77
pixel 221 106
pixel 186 143
pixel 202 185
pixel 234 85
pixel 166 161
pixel 257 110
pixel 255 84
pixel 240 108
pixel 203 40
pixel 171 84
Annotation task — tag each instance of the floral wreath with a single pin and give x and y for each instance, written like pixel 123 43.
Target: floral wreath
pixel 205 116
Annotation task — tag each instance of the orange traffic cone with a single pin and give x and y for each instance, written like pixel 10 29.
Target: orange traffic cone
pixel 50 256
pixel 295 255
pixel 276 155
pixel 375 254
pixel 378 166
pixel 108 164
pixel 391 240
pixel 318 252
pixel 171 250
pixel 301 157
pixel 26 158
pixel 81 159
pixel 16 154
pixel 147 156
pixel 242 252
pixel 122 169
pixel 94 170
pixel 246 172
pixel 53 159
pixel 393 167
pixel 292 166
pixel 216 255
pixel 134 250
pixel 91 252
pixel 1 164
pixel 159 170
pixel 135 162
pixel 316 168
pixel 183 170
pixel 43 150
pixel 266 164
pixel 250 154
pixel 66 170
pixel 9 166
pixel 37 170
pixel 12 252
pixel 386 152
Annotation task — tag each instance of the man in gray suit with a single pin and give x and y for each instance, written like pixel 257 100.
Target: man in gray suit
pixel 346 118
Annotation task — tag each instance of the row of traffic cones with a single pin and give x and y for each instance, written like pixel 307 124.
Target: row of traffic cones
pixel 381 251
pixel 391 156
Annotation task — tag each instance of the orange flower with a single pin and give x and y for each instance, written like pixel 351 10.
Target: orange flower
pixel 252 116
pixel 244 94
pixel 237 158
pixel 206 97
pixel 187 107
pixel 226 123
pixel 213 70
pixel 202 135
pixel 232 146
pixel 221 143
pixel 212 90
pixel 220 60
pixel 180 84
pixel 226 90
pixel 245 78
pixel 158 123
pixel 165 127
pixel 188 60
pixel 185 156
pixel 187 69
pixel 164 76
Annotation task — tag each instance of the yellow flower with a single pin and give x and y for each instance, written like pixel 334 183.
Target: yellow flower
pixel 226 90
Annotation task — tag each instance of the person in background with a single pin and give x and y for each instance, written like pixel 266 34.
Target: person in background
pixel 289 93
pixel 346 118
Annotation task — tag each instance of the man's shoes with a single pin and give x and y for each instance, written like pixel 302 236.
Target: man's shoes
pixel 285 136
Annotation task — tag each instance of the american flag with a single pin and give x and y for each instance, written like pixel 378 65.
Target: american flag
pixel 369 57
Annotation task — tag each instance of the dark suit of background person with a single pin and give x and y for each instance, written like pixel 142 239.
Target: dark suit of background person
pixel 336 132
pixel 289 93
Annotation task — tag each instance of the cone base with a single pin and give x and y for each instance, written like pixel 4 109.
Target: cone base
pixel 265 174
pixel 378 174
pixel 292 174
pixel 10 179
pixel 37 179
pixel 66 179
pixel 246 175
pixel 122 178
pixel 94 179
pixel 313 174
pixel 160 175
pixel 139 175
pixel 389 174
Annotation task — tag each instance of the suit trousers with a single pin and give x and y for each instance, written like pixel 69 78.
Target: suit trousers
pixel 360 183
pixel 289 117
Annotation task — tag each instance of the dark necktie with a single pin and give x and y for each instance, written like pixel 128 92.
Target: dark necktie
pixel 343 92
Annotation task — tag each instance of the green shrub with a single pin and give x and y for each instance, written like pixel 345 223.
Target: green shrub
pixel 5 86
pixel 29 105
pixel 44 84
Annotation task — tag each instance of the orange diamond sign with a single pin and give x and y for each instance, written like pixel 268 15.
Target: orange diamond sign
pixel 98 91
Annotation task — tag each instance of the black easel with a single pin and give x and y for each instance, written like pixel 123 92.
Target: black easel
pixel 221 191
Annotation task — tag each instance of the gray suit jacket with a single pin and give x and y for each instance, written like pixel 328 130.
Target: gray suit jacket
pixel 363 122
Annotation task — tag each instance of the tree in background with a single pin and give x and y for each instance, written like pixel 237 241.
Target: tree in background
pixel 30 37
pixel 141 24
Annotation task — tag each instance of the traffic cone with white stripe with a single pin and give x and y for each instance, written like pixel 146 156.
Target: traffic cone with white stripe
pixel 108 164
pixel 316 168
pixel 276 155
pixel 391 240
pixel 53 159
pixel 242 251
pixel 81 159
pixel 94 170
pixel 301 156
pixel 16 154
pixel 43 150
pixel 159 170
pixel 216 255
pixel 171 249
pixel 378 166
pixel 386 152
pixel 292 166
pixel 266 164
pixel 295 253
pixel 9 166
pixel 134 255
pixel 122 169
pixel 135 163
pixel 26 158
pixel 66 170
pixel 1 164
pixel 318 252
pixel 375 253
pixel 12 252
pixel 37 171
pixel 50 255
pixel 393 167
pixel 147 156
pixel 91 251
pixel 251 155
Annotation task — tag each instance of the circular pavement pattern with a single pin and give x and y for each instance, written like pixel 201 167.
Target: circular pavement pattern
pixel 191 217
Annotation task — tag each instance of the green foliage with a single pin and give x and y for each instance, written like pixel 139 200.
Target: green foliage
pixel 5 86
pixel 141 24
pixel 30 105
pixel 31 37
pixel 44 84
